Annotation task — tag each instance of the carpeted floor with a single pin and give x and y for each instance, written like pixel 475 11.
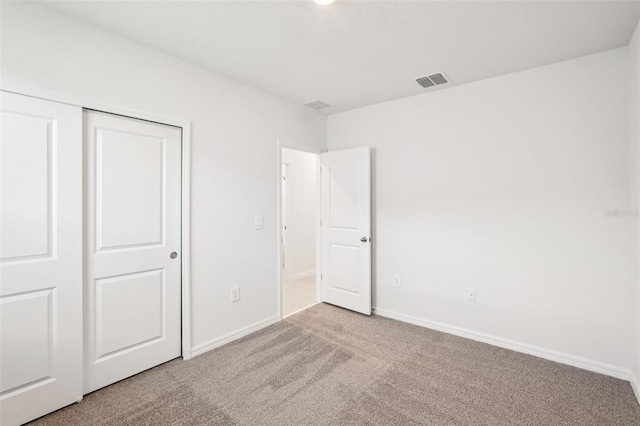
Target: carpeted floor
pixel 329 366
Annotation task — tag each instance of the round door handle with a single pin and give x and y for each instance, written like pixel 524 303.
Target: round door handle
pixel 173 255
pixel 364 239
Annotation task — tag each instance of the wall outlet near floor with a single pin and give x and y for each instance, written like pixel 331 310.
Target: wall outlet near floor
pixel 396 280
pixel 471 294
pixel 235 294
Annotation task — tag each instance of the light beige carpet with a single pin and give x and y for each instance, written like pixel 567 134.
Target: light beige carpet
pixel 329 366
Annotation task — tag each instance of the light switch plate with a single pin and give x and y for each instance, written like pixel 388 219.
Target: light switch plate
pixel 258 223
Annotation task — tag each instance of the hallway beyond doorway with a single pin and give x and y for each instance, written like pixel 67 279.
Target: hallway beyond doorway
pixel 299 294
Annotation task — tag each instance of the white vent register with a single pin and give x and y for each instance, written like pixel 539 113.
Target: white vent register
pixel 317 104
pixel 433 80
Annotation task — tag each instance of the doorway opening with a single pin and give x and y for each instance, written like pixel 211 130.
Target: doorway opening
pixel 299 211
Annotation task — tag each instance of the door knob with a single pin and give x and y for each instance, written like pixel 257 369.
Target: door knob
pixel 173 255
pixel 364 239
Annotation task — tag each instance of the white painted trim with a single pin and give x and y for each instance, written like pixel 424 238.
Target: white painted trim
pixel 288 235
pixel 301 309
pixel 563 358
pixel 185 124
pixel 304 274
pixel 234 335
pixel 635 385
pixel 298 147
pixel 318 229
pixel 22 89
pixel 306 148
pixel 186 241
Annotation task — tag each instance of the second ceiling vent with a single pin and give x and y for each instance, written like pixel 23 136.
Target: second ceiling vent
pixel 433 80
pixel 317 104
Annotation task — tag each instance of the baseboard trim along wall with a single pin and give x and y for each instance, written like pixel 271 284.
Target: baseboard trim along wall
pixel 230 337
pixel 635 385
pixel 563 358
pixel 304 274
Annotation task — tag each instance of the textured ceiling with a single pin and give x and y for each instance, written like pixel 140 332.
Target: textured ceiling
pixel 351 54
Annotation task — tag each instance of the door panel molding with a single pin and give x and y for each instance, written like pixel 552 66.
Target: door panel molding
pixel 132 295
pixel 184 123
pixel 41 288
pixel 346 228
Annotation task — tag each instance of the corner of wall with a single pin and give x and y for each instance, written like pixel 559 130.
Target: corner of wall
pixel 634 199
pixel 635 385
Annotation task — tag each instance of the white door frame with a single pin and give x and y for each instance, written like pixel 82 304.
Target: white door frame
pixel 185 125
pixel 287 235
pixel 314 150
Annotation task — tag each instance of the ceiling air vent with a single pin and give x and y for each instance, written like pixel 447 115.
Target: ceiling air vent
pixel 425 82
pixel 317 104
pixel 433 80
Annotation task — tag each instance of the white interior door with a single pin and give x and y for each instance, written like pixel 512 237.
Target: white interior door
pixel 40 257
pixel 132 293
pixel 346 229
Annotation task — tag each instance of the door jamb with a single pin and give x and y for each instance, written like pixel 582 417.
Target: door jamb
pixel 314 150
pixel 286 238
pixel 182 123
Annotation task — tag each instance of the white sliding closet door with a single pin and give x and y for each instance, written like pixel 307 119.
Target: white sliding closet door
pixel 132 293
pixel 40 257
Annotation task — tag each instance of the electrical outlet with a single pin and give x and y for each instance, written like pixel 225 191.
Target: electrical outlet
pixel 471 294
pixel 396 280
pixel 258 223
pixel 235 294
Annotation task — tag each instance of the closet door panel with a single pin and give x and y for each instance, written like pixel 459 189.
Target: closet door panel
pixel 40 257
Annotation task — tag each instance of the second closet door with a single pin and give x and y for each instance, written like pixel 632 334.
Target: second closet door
pixel 132 283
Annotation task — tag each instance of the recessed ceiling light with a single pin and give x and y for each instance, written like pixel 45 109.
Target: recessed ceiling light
pixel 324 2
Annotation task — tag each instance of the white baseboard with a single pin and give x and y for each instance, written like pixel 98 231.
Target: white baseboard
pixel 563 358
pixel 635 385
pixel 234 335
pixel 304 274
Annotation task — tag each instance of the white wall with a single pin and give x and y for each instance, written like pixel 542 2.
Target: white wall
pixel 634 195
pixel 235 129
pixel 499 185
pixel 502 185
pixel 302 221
